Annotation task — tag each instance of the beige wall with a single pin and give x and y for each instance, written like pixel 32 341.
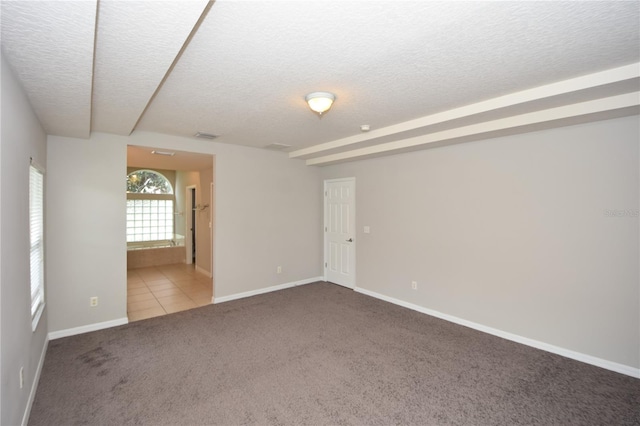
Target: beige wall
pixel 86 232
pixel 202 181
pixel 204 223
pixel 267 213
pixel 512 233
pixel 184 179
pixel 22 137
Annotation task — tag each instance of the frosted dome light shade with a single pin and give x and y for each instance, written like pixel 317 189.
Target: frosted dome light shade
pixel 320 102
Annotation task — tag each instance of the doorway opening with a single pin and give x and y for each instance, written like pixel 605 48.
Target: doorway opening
pixel 174 271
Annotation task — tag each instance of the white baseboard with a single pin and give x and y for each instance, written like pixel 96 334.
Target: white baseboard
pixel 34 385
pixel 203 271
pixel 578 356
pixel 266 290
pixel 87 328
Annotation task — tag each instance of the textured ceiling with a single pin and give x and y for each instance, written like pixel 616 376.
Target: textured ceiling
pixel 244 73
pixel 136 43
pixel 50 47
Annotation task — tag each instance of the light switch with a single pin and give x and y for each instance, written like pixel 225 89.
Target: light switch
pixel 367 230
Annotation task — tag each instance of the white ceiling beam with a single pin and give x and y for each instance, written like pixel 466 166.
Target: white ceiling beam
pixel 560 88
pixel 557 114
pixel 137 45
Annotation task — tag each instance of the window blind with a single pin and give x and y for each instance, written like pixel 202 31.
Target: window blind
pixel 36 231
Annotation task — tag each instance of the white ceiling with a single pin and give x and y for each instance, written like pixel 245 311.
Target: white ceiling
pixel 136 43
pixel 50 46
pixel 419 73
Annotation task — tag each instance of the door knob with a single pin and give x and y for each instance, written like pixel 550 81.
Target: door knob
pixel 350 240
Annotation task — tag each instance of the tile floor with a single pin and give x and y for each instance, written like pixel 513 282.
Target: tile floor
pixel 161 290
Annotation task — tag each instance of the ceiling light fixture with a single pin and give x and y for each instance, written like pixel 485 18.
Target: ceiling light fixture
pixel 167 153
pixel 320 102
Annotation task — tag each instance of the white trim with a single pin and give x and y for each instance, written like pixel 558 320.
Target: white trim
pixel 34 385
pixel 36 318
pixel 37 166
pixel 544 119
pixel 87 328
pixel 265 290
pixel 203 271
pixel 523 97
pixel 578 356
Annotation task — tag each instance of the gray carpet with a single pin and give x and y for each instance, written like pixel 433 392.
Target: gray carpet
pixel 318 354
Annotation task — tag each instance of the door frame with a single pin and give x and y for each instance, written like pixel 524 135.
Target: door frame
pixel 324 236
pixel 188 223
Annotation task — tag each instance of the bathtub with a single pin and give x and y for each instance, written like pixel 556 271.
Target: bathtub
pixel 155 253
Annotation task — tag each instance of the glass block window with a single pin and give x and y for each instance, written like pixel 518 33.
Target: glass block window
pixel 149 207
pixel 149 220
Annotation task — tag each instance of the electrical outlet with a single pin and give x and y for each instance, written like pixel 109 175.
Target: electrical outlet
pixel 414 285
pixel 21 377
pixel 279 270
pixel 93 301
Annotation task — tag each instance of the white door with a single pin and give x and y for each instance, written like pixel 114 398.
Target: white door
pixel 339 222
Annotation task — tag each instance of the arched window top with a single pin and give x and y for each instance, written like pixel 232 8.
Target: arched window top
pixel 148 182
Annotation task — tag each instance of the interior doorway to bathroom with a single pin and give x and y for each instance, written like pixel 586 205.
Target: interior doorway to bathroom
pixel 174 271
